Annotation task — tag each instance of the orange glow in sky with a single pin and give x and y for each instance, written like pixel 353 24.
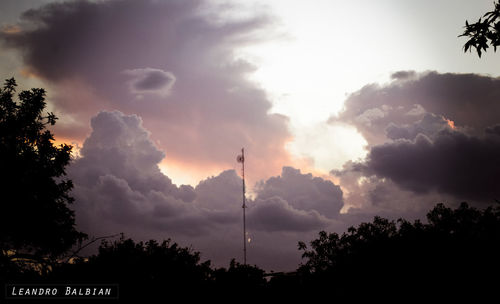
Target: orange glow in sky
pixel 450 123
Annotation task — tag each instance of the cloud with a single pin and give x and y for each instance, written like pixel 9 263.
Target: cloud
pixel 120 188
pixel 470 101
pixel 120 146
pixel 303 192
pixel 276 214
pixel 150 81
pixel 370 115
pixel 403 75
pixel 494 130
pixel 429 125
pixel 452 162
pixel 431 138
pixel 417 110
pixel 117 178
pixel 172 62
pixel 222 192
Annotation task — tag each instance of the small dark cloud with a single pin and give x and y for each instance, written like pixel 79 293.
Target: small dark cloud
pixel 149 80
pixel 403 75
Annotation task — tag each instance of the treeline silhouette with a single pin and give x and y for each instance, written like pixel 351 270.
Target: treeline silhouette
pixel 455 254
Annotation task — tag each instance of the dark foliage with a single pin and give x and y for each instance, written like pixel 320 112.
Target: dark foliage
pixel 239 280
pixel 484 33
pixel 35 222
pixel 150 270
pixel 455 254
pixel 147 270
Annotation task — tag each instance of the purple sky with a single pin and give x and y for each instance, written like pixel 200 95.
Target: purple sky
pixel 154 91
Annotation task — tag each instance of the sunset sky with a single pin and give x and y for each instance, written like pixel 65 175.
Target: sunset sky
pixel 346 110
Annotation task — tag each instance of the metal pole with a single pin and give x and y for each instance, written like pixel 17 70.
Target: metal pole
pixel 244 207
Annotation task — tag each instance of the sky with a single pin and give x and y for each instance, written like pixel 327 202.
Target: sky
pixel 346 110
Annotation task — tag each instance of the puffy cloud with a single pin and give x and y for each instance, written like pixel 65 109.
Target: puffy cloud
pixel 303 192
pixel 426 142
pixel 177 57
pixel 417 110
pixel 121 147
pixel 467 101
pixel 276 214
pixel 119 188
pixel 222 192
pixel 111 205
pixel 429 125
pixel 294 201
pixel 117 178
pixel 370 115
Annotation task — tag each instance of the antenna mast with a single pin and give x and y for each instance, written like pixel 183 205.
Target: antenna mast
pixel 241 159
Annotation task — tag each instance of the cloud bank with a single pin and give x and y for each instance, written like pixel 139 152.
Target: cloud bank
pixel 120 188
pixel 430 136
pixel 172 62
pixel 469 100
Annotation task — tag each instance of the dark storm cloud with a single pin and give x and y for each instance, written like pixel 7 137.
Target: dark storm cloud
pixel 469 100
pixel 171 62
pixel 88 38
pixel 431 138
pixel 453 163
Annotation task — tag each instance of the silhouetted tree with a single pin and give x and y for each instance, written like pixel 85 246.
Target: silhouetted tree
pixel 485 31
pixel 240 282
pixel 240 277
pixel 455 253
pixel 147 270
pixel 35 221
